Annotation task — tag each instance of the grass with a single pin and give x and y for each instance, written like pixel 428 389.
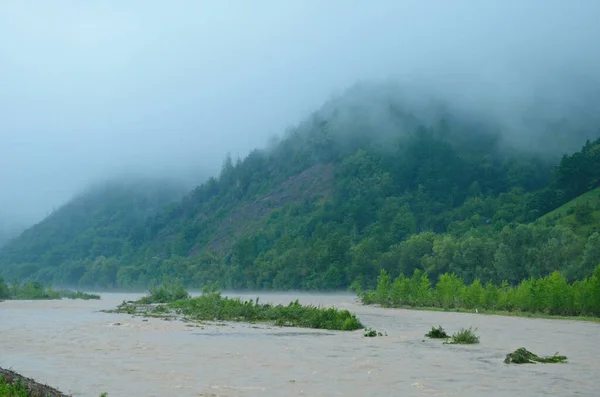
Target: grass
pixel 437 333
pixel 592 198
pixel 12 389
pixel 565 214
pixel 524 356
pixel 212 306
pixel 466 336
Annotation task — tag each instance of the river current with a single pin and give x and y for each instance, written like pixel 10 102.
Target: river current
pixel 73 347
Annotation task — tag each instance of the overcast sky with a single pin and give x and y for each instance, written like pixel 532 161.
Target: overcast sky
pixel 91 88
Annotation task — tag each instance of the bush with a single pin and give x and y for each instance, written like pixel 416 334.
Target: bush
pixel 464 337
pixel 165 293
pixel 437 333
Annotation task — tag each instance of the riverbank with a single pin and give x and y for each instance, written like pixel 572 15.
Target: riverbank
pixel 493 313
pixel 13 384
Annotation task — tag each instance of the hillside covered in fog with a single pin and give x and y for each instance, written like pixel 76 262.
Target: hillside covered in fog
pixel 377 178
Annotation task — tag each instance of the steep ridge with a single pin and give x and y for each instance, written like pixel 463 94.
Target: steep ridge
pixel 316 181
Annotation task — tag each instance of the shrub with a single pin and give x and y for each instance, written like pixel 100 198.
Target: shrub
pixel 437 333
pixel 464 337
pixel 165 293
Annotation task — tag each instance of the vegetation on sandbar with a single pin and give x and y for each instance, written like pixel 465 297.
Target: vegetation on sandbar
pixel 212 306
pixel 36 290
pixel 165 293
pixel 465 336
pixel 550 295
pixel 524 356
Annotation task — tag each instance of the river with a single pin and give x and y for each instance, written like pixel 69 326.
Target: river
pixel 73 347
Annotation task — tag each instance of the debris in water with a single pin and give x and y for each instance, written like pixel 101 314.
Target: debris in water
pixel 370 333
pixel 524 356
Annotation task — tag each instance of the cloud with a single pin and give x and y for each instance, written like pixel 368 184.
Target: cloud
pixel 91 89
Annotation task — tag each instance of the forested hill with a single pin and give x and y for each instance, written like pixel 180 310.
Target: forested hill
pixel 93 224
pixel 360 186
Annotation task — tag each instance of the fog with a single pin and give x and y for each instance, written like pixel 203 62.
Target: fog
pixel 94 89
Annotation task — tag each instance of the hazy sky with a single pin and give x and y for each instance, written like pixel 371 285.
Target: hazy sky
pixel 91 88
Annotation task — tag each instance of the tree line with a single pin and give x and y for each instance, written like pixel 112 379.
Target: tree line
pixel 551 294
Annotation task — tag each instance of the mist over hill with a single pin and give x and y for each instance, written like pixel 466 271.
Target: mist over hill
pixel 372 180
pixel 298 145
pixel 96 90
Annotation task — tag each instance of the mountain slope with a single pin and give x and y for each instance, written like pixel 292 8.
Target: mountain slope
pixel 93 224
pixel 366 183
pixel 582 214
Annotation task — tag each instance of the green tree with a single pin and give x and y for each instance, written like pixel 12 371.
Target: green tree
pixel 505 264
pixel 591 255
pixel 473 296
pixel 382 292
pixel 448 291
pixel 4 290
pixel 583 213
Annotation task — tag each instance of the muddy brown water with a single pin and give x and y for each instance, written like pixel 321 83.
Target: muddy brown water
pixel 73 347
